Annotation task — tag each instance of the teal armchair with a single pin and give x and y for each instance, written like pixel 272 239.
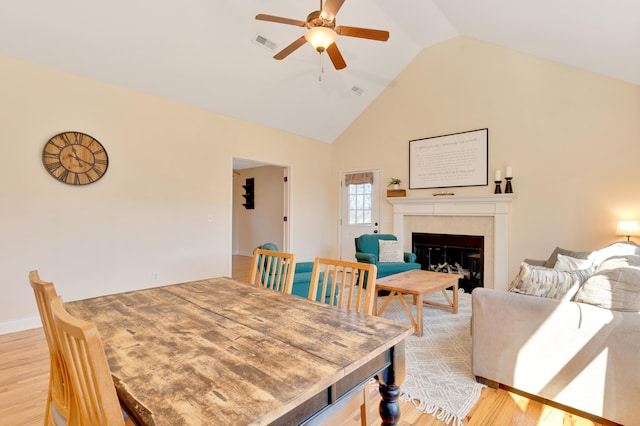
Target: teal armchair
pixel 301 277
pixel 367 251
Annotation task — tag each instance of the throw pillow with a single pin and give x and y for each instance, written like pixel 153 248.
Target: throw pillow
pixel 550 263
pixel 615 285
pixel 568 263
pixel 616 249
pixel 548 282
pixel 390 251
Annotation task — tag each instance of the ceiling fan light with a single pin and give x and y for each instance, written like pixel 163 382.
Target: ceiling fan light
pixel 320 37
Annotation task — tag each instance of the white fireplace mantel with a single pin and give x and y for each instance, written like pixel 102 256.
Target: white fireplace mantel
pixel 496 206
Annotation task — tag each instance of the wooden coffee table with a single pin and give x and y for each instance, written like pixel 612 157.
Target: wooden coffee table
pixel 420 284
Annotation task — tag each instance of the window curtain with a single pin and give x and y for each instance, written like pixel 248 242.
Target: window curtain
pixel 358 178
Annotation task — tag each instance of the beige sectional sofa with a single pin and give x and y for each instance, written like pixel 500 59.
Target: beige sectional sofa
pixel 579 347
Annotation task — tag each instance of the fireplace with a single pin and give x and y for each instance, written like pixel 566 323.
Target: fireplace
pixel 454 254
pixel 486 215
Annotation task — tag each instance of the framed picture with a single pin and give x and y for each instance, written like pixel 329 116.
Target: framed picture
pixel 458 159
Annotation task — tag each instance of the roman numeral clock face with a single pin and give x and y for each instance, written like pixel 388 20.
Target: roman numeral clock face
pixel 75 158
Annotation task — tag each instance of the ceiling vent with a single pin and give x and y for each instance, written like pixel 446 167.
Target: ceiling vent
pixel 358 90
pixel 265 42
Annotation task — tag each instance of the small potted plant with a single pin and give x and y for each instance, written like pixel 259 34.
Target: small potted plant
pixel 394 183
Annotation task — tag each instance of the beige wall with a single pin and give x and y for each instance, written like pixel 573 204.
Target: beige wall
pixel 263 223
pixel 572 138
pixel 170 168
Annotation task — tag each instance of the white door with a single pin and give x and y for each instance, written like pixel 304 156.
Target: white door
pixel 359 208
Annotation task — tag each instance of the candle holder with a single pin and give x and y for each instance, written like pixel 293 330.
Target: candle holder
pixel 498 190
pixel 508 189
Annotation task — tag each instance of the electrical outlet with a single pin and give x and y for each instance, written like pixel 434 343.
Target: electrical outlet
pixel 155 276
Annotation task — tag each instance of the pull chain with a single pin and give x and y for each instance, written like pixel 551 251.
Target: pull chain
pixel 321 69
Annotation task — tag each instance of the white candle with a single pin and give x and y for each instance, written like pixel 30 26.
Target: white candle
pixel 498 175
pixel 509 172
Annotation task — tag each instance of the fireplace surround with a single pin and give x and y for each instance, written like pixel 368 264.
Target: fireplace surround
pixel 494 208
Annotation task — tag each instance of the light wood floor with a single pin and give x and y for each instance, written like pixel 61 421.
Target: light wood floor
pixel 24 376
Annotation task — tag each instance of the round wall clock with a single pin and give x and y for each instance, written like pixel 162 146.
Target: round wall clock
pixel 75 158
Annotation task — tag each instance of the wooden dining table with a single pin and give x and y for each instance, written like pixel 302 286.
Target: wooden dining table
pixel 222 351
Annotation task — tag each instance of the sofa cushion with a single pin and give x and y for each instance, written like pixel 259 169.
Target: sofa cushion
pixel 614 285
pixel 621 248
pixel 390 268
pixel 390 251
pixel 548 282
pixel 302 284
pixel 568 263
pixel 550 263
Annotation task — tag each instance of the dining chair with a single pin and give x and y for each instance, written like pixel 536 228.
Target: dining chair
pixel 356 287
pixel 94 397
pixel 355 283
pixel 273 270
pixel 58 398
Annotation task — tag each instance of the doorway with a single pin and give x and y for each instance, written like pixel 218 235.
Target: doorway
pixel 263 219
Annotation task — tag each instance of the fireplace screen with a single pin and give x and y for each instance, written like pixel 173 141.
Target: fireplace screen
pixel 452 254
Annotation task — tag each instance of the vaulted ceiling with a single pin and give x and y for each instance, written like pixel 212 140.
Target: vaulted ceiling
pixel 204 52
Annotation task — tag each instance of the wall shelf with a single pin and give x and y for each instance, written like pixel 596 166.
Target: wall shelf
pixel 248 194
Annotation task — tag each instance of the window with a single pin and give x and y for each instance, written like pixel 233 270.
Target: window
pixel 360 188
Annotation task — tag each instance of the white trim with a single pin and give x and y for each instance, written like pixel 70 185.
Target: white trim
pixel 496 206
pixel 20 325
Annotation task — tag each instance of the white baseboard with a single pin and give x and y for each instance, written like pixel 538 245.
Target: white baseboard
pixel 20 325
pixel 243 253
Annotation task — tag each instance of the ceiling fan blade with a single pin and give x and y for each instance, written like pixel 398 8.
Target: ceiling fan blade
pixel 336 57
pixel 290 48
pixel 280 20
pixel 363 33
pixel 331 8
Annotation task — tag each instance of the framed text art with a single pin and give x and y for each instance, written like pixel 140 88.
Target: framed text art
pixel 458 159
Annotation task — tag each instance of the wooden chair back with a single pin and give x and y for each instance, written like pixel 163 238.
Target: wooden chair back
pixel 94 397
pixel 273 270
pixel 355 282
pixel 58 399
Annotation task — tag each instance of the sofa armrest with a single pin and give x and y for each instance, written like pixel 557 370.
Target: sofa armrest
pixel 367 258
pixel 535 262
pixel 409 257
pixel 575 354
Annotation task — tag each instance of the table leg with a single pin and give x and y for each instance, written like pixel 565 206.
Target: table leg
pixel 408 311
pixel 389 381
pixel 418 303
pixel 389 407
pixel 386 302
pixel 455 298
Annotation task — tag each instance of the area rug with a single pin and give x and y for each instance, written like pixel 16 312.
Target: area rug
pixel 439 378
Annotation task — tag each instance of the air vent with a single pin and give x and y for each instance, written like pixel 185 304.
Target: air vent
pixel 358 90
pixel 265 42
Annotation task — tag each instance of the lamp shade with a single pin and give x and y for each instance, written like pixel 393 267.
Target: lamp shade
pixel 628 228
pixel 320 37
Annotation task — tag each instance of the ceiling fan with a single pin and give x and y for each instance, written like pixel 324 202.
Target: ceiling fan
pixel 322 32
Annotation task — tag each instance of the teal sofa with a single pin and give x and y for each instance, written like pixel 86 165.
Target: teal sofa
pixel 301 277
pixel 367 252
